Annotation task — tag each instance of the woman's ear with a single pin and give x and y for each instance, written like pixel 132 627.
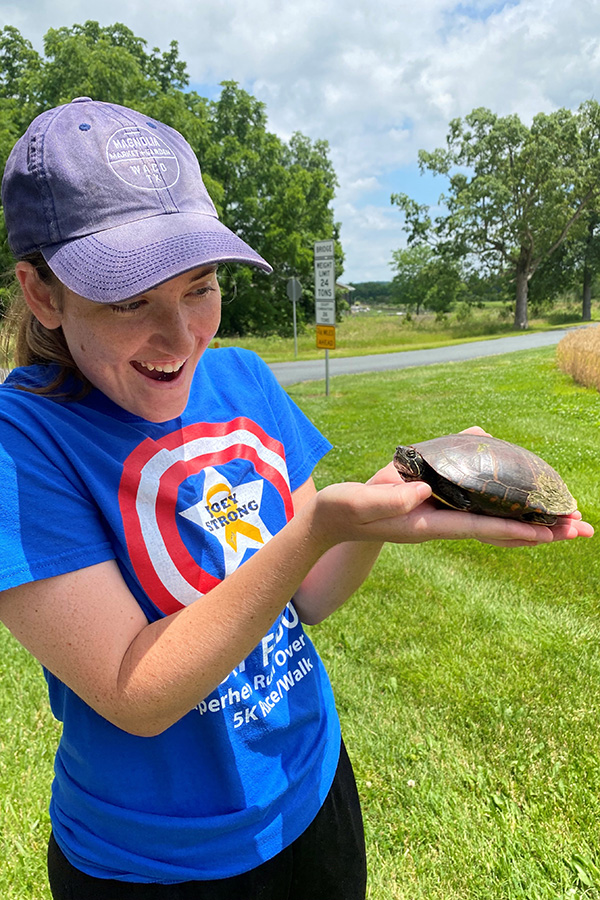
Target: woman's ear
pixel 40 298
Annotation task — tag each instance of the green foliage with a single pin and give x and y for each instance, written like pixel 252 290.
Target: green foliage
pixel 556 276
pixel 490 288
pixel 277 198
pixel 424 280
pixel 372 292
pixel 515 193
pixel 20 67
pixel 410 283
pixel 275 195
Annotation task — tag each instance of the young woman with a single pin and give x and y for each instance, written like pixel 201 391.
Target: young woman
pixel 163 541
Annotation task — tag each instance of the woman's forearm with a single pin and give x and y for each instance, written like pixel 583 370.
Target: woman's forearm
pixel 87 628
pixel 175 662
pixel 334 578
pixel 319 558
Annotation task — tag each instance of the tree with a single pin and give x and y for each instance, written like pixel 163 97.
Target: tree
pixel 372 292
pixel 107 62
pixel 583 249
pixel 590 259
pixel 424 280
pixel 275 195
pixel 20 65
pixel 514 192
pixel 409 285
pixel 299 213
pixel 572 268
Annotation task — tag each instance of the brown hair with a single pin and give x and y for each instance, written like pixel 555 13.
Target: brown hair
pixel 30 343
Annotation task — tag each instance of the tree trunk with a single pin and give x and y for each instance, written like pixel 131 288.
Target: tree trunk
pixel 521 298
pixel 586 314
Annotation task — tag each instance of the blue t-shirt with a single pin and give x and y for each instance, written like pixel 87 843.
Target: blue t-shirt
pixel 179 505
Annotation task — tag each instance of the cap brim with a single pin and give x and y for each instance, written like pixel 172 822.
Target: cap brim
pixel 125 261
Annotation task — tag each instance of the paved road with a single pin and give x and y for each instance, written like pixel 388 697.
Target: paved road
pixel 314 370
pixel 293 372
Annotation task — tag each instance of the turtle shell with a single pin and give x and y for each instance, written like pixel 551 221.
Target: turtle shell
pixel 490 476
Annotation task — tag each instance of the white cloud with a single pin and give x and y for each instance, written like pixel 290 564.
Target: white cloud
pixel 377 80
pixel 364 184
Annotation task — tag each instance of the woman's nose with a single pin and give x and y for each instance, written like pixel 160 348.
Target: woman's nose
pixel 173 334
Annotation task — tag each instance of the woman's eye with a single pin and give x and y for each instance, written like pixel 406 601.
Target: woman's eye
pixel 126 307
pixel 202 291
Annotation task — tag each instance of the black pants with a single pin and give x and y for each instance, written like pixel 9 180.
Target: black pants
pixel 327 862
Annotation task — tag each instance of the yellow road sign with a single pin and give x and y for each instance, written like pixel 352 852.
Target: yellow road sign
pixel 325 337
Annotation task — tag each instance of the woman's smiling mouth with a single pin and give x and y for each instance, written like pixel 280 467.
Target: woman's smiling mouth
pixel 156 372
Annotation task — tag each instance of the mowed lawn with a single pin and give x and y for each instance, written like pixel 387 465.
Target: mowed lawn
pixel 467 677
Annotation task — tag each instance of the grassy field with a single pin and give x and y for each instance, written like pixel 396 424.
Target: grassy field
pixel 385 332
pixel 467 677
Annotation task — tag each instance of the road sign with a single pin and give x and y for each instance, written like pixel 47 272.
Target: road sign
pixel 324 249
pixel 324 279
pixel 325 337
pixel 325 300
pixel 325 312
pixel 294 289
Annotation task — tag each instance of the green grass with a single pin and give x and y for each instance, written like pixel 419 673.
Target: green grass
pixel 467 676
pixel 28 739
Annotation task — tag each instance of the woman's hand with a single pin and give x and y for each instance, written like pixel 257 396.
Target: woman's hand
pixel 388 509
pixel 432 523
pixel 569 527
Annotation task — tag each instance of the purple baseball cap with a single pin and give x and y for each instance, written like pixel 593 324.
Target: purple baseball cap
pixel 114 200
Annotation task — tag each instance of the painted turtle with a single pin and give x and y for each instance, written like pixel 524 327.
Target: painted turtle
pixel 485 475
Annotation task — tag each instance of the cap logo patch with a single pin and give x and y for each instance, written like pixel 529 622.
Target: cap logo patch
pixel 142 159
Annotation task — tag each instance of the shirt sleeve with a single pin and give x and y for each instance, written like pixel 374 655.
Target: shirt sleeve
pixel 47 525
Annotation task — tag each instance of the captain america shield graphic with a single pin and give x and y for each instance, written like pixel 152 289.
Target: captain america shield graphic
pixel 197 503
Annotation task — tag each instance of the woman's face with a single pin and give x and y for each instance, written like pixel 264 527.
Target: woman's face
pixel 142 353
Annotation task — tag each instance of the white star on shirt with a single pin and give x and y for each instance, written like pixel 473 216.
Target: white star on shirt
pixel 232 515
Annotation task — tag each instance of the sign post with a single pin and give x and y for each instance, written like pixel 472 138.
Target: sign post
pixel 294 292
pixel 325 300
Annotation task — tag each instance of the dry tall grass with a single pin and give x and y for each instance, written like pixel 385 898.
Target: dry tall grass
pixel 578 354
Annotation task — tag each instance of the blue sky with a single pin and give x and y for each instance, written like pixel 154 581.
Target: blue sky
pixel 378 81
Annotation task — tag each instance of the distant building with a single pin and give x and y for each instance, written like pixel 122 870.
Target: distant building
pixel 345 290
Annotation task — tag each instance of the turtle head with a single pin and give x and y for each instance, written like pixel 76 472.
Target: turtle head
pixel 409 463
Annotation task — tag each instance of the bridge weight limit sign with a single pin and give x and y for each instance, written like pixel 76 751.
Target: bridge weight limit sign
pixel 325 300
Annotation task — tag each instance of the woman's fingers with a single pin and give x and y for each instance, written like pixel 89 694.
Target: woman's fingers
pixel 569 527
pixel 447 524
pixel 475 429
pixel 401 512
pixel 381 501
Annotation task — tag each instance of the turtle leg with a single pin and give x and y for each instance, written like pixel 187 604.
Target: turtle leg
pixel 539 518
pixel 452 495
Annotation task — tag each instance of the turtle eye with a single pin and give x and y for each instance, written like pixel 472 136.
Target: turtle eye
pixel 411 452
